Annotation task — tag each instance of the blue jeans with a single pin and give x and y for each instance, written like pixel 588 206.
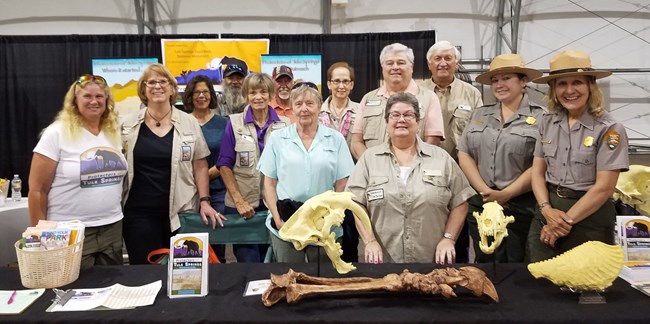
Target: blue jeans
pixel 248 253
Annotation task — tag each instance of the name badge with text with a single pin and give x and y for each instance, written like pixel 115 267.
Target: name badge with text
pixel 375 194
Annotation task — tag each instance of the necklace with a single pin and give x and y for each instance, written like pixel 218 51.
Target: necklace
pixel 161 118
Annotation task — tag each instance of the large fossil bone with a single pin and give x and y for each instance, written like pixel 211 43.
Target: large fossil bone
pixel 294 286
pixel 590 266
pixel 492 224
pixel 312 223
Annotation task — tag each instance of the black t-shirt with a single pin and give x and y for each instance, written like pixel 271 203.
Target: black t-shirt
pixel 152 168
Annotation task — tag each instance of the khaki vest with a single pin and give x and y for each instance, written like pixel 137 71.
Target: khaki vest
pixel 374 123
pixel 247 154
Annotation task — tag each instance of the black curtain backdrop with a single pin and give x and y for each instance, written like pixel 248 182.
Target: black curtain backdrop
pixel 36 71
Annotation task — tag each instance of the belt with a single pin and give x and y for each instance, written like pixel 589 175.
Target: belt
pixel 564 192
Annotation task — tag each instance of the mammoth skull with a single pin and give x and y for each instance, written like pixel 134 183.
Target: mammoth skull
pixel 313 221
pixel 492 224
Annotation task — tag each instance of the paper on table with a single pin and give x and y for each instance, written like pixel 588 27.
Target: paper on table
pixel 22 300
pixel 114 297
pixel 256 287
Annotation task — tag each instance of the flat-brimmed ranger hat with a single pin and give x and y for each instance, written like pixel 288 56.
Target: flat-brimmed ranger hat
pixel 507 63
pixel 571 63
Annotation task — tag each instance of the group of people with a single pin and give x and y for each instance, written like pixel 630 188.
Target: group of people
pixel 427 156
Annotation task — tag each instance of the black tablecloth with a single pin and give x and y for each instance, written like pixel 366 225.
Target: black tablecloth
pixel 522 299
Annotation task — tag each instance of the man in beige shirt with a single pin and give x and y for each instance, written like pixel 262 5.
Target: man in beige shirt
pixel 457 98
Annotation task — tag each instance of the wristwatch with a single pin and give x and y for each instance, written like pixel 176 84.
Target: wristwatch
pixel 448 235
pixel 205 198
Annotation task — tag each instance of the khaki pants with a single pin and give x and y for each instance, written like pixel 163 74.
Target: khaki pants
pixel 284 252
pixel 598 226
pixel 102 245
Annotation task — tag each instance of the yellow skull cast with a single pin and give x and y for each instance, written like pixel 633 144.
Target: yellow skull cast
pixel 633 188
pixel 313 221
pixel 492 223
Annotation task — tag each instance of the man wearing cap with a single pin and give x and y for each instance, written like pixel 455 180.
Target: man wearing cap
pixel 578 158
pixel 231 101
pixel 283 79
pixel 457 98
pixel 369 127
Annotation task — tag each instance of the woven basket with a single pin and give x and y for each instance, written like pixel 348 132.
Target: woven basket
pixel 49 268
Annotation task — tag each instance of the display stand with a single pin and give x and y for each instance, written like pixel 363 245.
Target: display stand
pixel 590 297
pixel 498 274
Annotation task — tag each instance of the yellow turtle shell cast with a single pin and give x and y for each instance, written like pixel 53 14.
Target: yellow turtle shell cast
pixel 590 266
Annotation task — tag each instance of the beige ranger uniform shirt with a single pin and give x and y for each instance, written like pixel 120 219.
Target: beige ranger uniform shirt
pixel 188 145
pixel 573 156
pixel 370 121
pixel 502 152
pixel 408 220
pixel 457 101
pixel 327 118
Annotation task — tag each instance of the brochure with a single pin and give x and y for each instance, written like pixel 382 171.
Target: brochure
pixel 634 237
pixel 188 265
pixel 114 297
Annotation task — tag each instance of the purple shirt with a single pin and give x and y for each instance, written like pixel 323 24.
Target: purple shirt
pixel 227 154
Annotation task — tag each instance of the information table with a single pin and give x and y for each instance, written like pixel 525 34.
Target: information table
pixel 523 299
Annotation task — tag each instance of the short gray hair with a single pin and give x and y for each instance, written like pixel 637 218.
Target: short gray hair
pixel 406 98
pixel 443 46
pixel 302 91
pixel 397 48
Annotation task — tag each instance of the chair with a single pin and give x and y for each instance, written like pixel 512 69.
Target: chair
pixel 236 230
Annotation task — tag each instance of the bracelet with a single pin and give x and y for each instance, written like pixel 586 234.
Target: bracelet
pixel 371 241
pixel 206 198
pixel 544 204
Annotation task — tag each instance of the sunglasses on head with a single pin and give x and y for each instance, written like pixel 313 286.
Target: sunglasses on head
pixel 89 77
pixel 308 84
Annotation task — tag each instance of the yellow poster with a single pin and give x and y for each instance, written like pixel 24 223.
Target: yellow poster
pixel 186 58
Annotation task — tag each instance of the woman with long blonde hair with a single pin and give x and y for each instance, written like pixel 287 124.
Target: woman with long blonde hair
pixel 78 168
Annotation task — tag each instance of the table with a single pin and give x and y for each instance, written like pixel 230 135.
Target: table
pixel 14 219
pixel 523 299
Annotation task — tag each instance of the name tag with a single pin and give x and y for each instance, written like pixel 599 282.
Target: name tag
pixel 278 125
pixel 465 107
pixel 244 159
pixel 373 102
pixel 247 138
pixel 375 194
pixel 187 139
pixel 432 173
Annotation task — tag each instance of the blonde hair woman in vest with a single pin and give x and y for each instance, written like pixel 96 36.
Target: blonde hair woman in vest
pixel 243 142
pixel 168 172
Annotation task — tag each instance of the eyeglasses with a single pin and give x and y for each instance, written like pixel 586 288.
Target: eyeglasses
pixel 336 82
pixel 198 93
pixel 408 116
pixel 308 84
pixel 152 83
pixel 89 77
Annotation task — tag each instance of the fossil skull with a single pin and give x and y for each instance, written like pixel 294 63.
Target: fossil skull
pixel 633 188
pixel 492 223
pixel 313 221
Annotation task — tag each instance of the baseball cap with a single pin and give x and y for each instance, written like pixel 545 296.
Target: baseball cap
pixel 233 68
pixel 281 70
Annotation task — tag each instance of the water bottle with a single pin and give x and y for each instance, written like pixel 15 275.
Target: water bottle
pixel 16 186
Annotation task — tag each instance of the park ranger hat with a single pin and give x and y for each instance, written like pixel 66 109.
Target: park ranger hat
pixel 507 63
pixel 571 63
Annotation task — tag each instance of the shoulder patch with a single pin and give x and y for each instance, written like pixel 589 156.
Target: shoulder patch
pixel 612 138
